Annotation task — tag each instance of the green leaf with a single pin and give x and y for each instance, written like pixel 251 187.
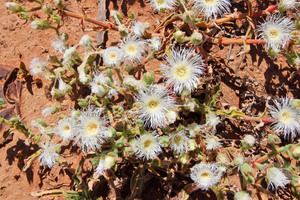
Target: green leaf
pixel 231 114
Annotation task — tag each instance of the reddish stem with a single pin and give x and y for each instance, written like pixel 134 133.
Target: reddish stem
pixel 263 119
pixel 94 21
pixel 234 41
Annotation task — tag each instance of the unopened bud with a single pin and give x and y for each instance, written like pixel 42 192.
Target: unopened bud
pixel 189 17
pixel 242 195
pixel 149 77
pixel 109 73
pixel 296 103
pixel 47 8
pixel 39 25
pixel 274 139
pixel 82 103
pixel 296 152
pixel 196 38
pixel 184 158
pixel 14 7
pixel 60 4
pixel 164 140
pixel 179 36
pixel 273 52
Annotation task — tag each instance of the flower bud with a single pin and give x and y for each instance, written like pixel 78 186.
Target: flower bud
pixel 273 52
pixel 75 114
pixel 39 25
pixel 109 162
pixel 139 123
pixel 248 142
pixel 60 4
pixel 123 30
pixel 47 8
pixel 189 17
pixel 196 38
pixel 296 151
pixel 246 169
pixel 109 73
pixel 192 145
pixel 179 36
pixel 184 158
pixel 164 140
pixel 242 195
pixel 297 24
pixel 296 103
pixel 295 181
pixel 149 77
pixel 118 111
pixel 274 139
pixel 64 37
pixel 55 93
pixel 82 103
pixel 171 117
pixel 99 91
pixel 14 7
pixel 239 160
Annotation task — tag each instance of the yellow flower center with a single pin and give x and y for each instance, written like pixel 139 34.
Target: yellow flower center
pixel 211 2
pixel 159 2
pixel 181 71
pixel 153 104
pixel 177 139
pixel 113 56
pixel 131 49
pixel 91 128
pixel 147 143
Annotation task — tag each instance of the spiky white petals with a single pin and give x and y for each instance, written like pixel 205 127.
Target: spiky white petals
pixel 155 103
pixel 162 5
pixel 59 45
pixel 86 42
pixel 63 87
pixel 212 119
pixel 205 175
pixel 65 129
pixel 133 48
pixel 131 82
pixel 48 111
pixel 212 142
pixel 68 55
pixel 193 129
pixel 211 8
pixel 183 70
pixel 138 28
pixel 276 178
pixel 49 155
pixel 91 129
pixel 147 146
pixel 98 83
pixel 155 44
pixel 288 118
pixel 179 142
pixel 37 66
pixel 275 31
pixel 112 56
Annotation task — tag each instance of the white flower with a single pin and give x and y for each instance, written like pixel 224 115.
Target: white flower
pixel 97 84
pixel 212 119
pixel 205 175
pixel 131 81
pixel 242 195
pixel 212 8
pixel 49 156
pixel 68 55
pixel 86 42
pixel 63 87
pixel 171 117
pixel 65 129
pixel 48 111
pixel 147 146
pixel 104 164
pixel 287 4
pixel 112 56
pixel 133 48
pixel 183 70
pixel 249 139
pixel 59 45
pixel 275 31
pixel 91 129
pixel 37 66
pixel 12 6
pixel 179 142
pixel 155 44
pixel 212 142
pixel 193 129
pixel 287 117
pixel 162 5
pixel 138 28
pixel 276 178
pixel 155 103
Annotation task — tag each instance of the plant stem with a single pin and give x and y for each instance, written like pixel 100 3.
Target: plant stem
pixel 94 21
pixel 269 155
pixel 258 119
pixel 226 41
